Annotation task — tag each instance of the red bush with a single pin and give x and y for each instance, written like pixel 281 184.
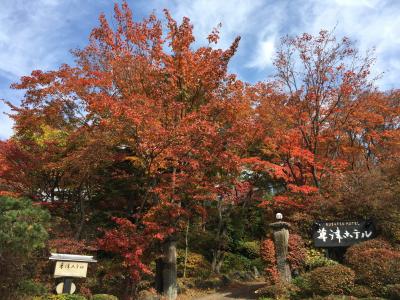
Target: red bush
pixel 376 264
pixel 297 252
pixel 128 242
pixel 269 257
pixel 331 280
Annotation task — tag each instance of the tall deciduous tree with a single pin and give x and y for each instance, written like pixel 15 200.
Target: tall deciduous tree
pixel 321 116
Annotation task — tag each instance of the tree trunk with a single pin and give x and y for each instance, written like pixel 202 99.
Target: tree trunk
pixel 79 229
pixel 169 284
pixel 159 275
pixel 186 249
pixel 219 252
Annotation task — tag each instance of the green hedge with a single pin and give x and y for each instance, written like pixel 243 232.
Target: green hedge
pixel 103 297
pixel 328 280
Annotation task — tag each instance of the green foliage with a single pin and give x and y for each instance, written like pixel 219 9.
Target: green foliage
pixel 51 135
pixel 202 241
pixel 250 249
pixel 196 266
pixel 361 291
pixel 103 297
pixel 22 232
pixel 278 291
pixel 315 259
pixel 31 288
pixel 339 297
pixel 109 277
pixel 22 226
pixel 328 280
pixel 61 297
pixel 236 262
pixel 393 291
pixel 376 264
pixel 303 283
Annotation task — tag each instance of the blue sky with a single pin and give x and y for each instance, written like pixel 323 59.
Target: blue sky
pixel 38 34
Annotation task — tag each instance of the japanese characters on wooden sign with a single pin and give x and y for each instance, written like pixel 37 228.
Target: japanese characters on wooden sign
pixel 70 269
pixel 71 265
pixel 342 233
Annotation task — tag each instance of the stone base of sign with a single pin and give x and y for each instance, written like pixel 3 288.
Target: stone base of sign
pixel 66 287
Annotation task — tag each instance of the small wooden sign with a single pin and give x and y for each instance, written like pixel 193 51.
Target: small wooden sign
pixel 71 265
pixel 70 269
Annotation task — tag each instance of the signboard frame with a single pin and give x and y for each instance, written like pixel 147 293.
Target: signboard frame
pixel 71 265
pixel 331 234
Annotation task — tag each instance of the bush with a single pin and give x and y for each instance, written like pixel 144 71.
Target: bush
pixel 250 249
pixel 278 291
pixel 303 283
pixel 22 232
pixel 236 262
pixel 362 291
pixel 31 288
pixel 103 297
pixel 22 226
pixel 296 252
pixel 328 280
pixel 315 259
pixel 196 266
pixel 269 258
pixel 393 291
pixel 61 297
pixel 376 264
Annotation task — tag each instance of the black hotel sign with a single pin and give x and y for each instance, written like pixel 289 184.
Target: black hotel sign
pixel 342 233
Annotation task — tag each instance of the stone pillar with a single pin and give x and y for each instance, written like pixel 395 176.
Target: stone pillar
pixel 281 241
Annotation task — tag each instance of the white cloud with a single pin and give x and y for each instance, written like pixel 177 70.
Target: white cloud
pixel 35 34
pixel 371 24
pixel 354 3
pixel 264 54
pixel 5 123
pixel 235 16
pixel 31 35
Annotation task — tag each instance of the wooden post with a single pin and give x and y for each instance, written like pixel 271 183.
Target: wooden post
pixel 67 285
pixel 281 241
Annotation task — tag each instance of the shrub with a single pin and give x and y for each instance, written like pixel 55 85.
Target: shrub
pixel 103 297
pixel 236 262
pixel 315 259
pixel 303 284
pixel 196 265
pixel 61 297
pixel 278 291
pixel 269 258
pixel 250 249
pixel 362 291
pixel 328 280
pixel 376 264
pixel 22 232
pixel 393 291
pixel 31 288
pixel 22 226
pixel 296 252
